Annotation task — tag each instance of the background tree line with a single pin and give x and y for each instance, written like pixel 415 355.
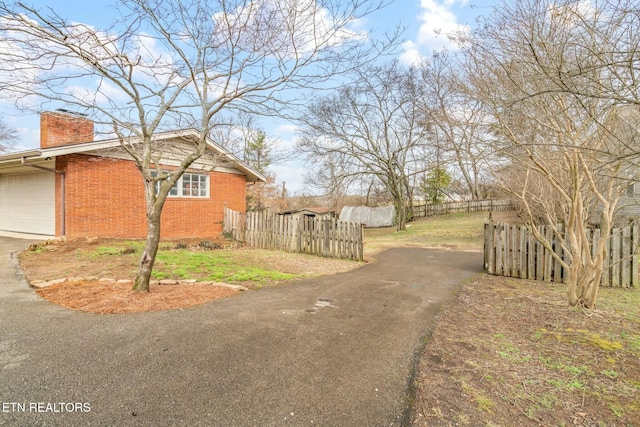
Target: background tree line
pixel 541 99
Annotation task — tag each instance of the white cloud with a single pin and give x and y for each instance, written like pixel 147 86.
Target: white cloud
pixel 284 138
pixel 102 92
pixel 438 24
pixel 410 53
pixel 292 174
pixel 284 28
pixel 573 13
pixel 286 128
pixel 155 62
pixel 29 138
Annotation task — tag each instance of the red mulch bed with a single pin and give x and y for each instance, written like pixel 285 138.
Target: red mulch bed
pixel 117 298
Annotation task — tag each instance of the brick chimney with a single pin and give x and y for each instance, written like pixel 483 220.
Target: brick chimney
pixel 62 128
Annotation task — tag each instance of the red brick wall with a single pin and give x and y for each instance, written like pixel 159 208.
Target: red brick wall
pixel 58 129
pixel 105 198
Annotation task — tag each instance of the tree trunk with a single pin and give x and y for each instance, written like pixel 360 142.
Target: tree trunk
pixel 589 292
pixel 143 276
pixel 583 282
pixel 401 214
pixel 155 203
pixel 572 287
pixel 589 283
pixel 408 215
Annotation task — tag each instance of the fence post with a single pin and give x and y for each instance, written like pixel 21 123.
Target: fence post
pixel 522 253
pixel 489 247
pixel 513 248
pixel 326 242
pixel 361 243
pixel 634 254
pixel 626 256
pixel 506 247
pixel 557 267
pixel 499 248
pixel 615 258
pixel 225 219
pixel 531 255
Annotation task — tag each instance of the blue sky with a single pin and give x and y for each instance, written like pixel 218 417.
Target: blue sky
pixel 427 23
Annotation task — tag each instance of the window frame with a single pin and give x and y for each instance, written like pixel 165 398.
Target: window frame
pixel 178 190
pixel 631 190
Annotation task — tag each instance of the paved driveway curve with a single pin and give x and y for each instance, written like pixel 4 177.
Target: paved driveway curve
pixel 333 351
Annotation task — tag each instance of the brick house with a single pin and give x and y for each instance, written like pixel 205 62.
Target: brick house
pixel 76 187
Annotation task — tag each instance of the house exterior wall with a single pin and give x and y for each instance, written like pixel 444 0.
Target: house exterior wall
pixel 628 207
pixel 105 198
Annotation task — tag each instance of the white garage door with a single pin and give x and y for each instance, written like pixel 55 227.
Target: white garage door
pixel 27 203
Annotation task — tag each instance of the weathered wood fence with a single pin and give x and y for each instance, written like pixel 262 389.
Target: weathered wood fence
pixel 467 206
pixel 512 251
pixel 323 237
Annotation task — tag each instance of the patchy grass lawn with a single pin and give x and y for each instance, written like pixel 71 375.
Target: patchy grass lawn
pixel 463 232
pixel 454 231
pixel 205 261
pixel 512 352
pixel 202 261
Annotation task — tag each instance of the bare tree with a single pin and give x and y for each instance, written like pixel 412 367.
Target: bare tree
pixel 537 67
pixel 168 64
pixel 456 119
pixel 7 137
pixel 247 141
pixel 237 133
pixel 371 129
pixel 329 177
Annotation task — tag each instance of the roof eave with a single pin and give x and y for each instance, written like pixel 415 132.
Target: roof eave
pixel 83 147
pixel 18 155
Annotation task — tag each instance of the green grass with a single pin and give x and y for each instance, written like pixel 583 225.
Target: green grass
pixel 456 231
pixel 483 403
pixel 568 356
pixel 203 265
pixel 225 266
pixel 620 301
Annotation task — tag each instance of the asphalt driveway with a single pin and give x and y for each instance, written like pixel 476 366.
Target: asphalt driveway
pixel 333 351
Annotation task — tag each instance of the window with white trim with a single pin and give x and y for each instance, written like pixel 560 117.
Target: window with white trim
pixel 631 190
pixel 190 185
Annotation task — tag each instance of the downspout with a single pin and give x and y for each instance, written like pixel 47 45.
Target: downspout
pixel 62 196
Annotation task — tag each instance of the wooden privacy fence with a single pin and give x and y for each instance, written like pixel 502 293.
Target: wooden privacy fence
pixel 512 251
pixel 467 206
pixel 323 237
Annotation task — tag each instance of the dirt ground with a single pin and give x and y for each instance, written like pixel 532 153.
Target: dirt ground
pixel 509 352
